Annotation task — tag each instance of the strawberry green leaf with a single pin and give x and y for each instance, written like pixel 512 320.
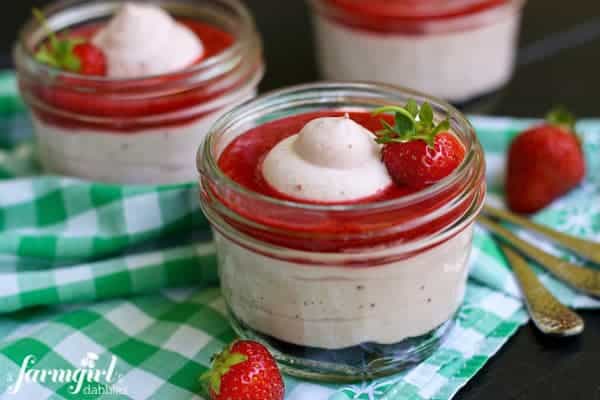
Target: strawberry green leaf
pixel 426 114
pixel 58 53
pixel 215 383
pixel 407 128
pixel 442 127
pixel 394 109
pixel 62 48
pixel 71 63
pixel 403 124
pixel 234 359
pixel 46 57
pixel 221 364
pixel 560 116
pixel 412 108
pixel 387 126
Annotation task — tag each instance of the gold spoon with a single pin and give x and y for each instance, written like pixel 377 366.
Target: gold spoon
pixel 586 280
pixel 584 248
pixel 547 313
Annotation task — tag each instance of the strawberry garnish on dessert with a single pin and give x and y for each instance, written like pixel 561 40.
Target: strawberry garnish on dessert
pixel 244 371
pixel 70 54
pixel 417 152
pixel 544 163
pixel 92 60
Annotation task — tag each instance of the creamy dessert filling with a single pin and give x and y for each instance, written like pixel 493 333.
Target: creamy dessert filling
pixel 160 155
pixel 332 159
pixel 123 158
pixel 143 39
pixel 337 307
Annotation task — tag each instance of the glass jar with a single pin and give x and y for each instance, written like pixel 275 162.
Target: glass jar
pixel 143 130
pixel 454 49
pixel 341 292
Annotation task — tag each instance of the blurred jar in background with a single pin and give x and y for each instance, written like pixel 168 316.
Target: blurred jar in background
pixel 140 129
pixel 454 49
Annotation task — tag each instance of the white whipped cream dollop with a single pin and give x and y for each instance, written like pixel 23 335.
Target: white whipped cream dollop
pixel 332 159
pixel 143 39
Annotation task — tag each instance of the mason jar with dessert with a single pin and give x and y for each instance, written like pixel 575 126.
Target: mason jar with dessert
pixel 123 92
pixel 343 216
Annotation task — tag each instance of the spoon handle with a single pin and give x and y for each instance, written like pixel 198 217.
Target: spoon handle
pixel 585 280
pixel 584 248
pixel 547 313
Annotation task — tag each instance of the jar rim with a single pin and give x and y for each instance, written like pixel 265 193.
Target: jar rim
pixel 246 38
pixel 207 163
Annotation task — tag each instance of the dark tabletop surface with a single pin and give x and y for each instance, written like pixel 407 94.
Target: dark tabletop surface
pixel 559 63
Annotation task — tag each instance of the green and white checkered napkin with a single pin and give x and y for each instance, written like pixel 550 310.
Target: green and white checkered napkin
pixel 121 279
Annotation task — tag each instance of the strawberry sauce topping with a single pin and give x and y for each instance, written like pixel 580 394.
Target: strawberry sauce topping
pixel 328 231
pixel 415 9
pixel 242 159
pixel 404 16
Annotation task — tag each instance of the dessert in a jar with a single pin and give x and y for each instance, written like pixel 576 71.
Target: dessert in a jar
pixel 124 91
pixel 343 229
pixel 454 49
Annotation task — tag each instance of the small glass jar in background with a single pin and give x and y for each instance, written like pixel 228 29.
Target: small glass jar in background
pixel 457 50
pixel 336 304
pixel 143 130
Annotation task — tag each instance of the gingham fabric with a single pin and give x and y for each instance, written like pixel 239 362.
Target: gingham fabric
pixel 121 281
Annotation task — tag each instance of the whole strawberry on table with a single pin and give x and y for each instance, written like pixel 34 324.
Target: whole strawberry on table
pixel 244 371
pixel 544 163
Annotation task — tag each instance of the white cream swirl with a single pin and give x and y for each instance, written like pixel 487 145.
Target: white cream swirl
pixel 332 159
pixel 143 39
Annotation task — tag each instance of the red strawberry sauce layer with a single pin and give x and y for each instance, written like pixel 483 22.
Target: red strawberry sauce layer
pixel 404 16
pixel 331 231
pixel 117 99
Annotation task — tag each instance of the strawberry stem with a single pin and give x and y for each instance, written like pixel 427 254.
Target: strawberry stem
pixel 410 123
pixel 41 18
pixel 221 364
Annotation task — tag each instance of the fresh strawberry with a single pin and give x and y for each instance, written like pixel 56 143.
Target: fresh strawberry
pixel 544 163
pixel 416 151
pixel 244 371
pixel 92 59
pixel 70 54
